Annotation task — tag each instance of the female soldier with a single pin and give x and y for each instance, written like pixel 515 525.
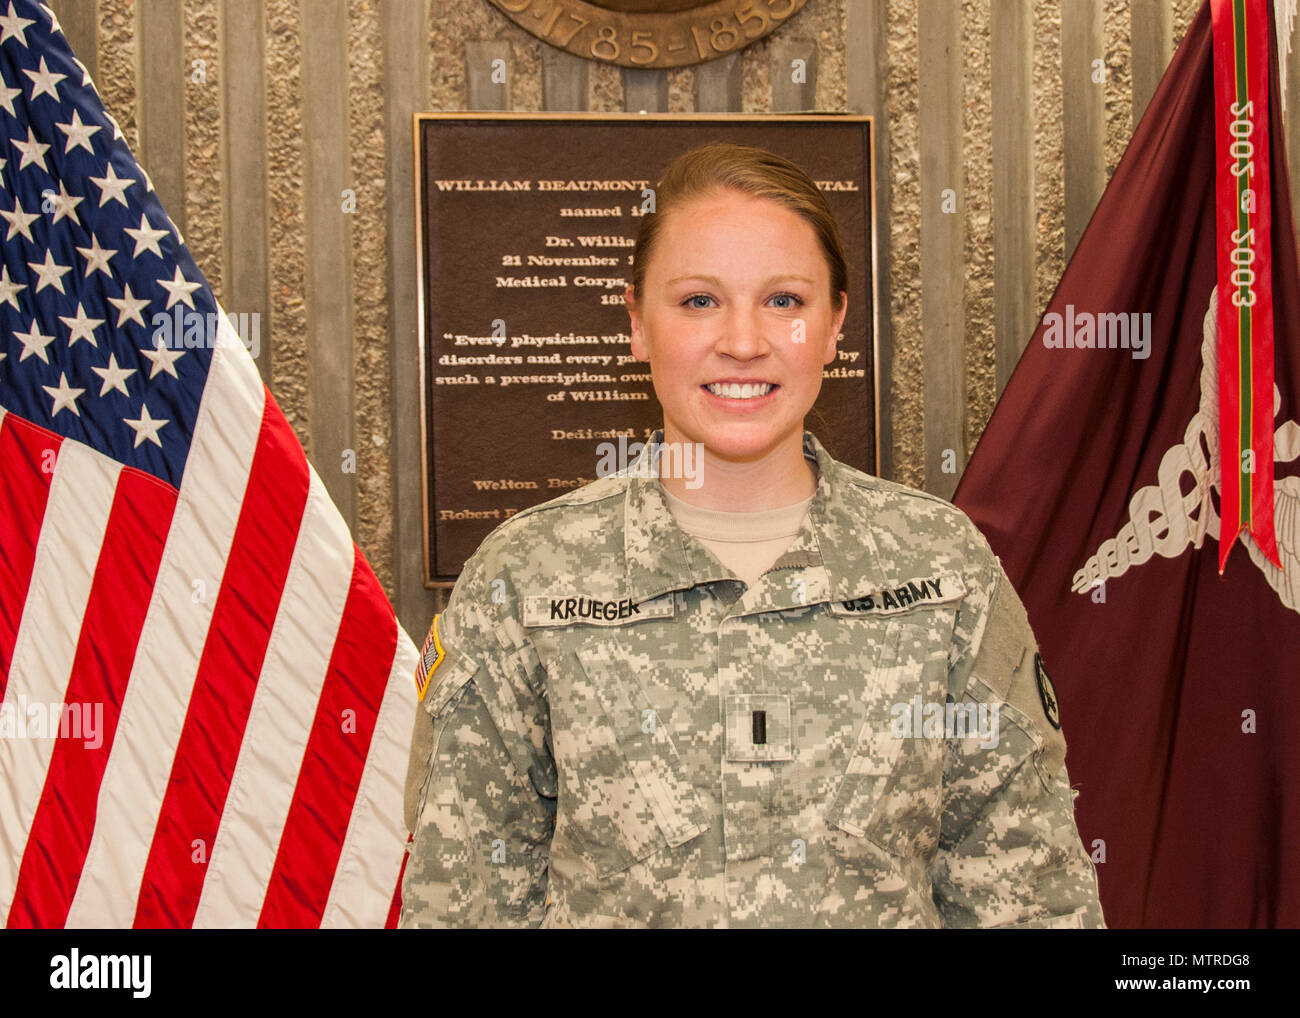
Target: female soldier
pixel 780 692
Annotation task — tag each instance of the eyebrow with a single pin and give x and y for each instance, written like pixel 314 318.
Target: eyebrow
pixel 717 282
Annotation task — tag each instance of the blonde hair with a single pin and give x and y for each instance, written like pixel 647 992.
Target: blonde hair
pixel 755 171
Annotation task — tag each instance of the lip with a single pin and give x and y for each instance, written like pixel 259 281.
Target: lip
pixel 740 406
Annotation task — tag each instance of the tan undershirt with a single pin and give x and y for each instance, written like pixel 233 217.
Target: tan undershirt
pixel 746 543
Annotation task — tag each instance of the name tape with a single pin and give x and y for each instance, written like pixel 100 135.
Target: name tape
pixel 577 609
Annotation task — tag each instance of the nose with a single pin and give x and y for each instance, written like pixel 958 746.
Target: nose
pixel 742 335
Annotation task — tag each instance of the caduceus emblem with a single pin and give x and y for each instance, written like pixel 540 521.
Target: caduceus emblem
pixel 1163 520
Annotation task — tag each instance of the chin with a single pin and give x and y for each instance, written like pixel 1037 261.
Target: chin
pixel 736 444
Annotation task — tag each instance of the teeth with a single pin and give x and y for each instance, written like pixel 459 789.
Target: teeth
pixel 734 390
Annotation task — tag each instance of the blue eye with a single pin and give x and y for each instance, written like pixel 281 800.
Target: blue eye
pixel 798 301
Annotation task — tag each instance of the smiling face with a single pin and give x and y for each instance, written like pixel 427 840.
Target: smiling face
pixel 736 322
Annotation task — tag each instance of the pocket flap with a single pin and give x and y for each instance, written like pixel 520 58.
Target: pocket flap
pixel 891 787
pixel 645 744
pixel 862 792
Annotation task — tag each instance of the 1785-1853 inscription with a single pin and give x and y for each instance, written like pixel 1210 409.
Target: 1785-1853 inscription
pixel 649 33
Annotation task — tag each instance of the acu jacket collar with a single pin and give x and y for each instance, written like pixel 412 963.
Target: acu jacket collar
pixel 833 557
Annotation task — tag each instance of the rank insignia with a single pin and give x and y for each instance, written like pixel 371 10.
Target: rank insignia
pixel 430 658
pixel 1047 693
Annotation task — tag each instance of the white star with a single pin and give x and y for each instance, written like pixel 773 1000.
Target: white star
pixel 50 273
pixel 14 27
pixel 146 428
pixel 114 377
pixel 179 288
pixel 85 74
pixel 34 343
pixel 96 257
pixel 128 306
pixel 82 326
pixel 65 397
pixel 9 289
pixel 78 133
pixel 65 205
pixel 112 186
pixel 117 131
pixel 2 357
pixel 146 237
pixel 164 359
pixel 54 21
pixel 19 221
pixel 44 82
pixel 7 96
pixel 33 151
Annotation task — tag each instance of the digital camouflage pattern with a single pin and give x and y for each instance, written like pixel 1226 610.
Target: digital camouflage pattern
pixel 591 753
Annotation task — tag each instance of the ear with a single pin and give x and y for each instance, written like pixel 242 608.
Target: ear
pixel 640 348
pixel 836 325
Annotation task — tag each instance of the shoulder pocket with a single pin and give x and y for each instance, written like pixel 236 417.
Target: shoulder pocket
pixel 449 681
pixel 1020 738
pixel 630 794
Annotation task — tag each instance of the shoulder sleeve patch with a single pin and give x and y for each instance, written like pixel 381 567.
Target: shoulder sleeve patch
pixel 1011 668
pixel 1005 641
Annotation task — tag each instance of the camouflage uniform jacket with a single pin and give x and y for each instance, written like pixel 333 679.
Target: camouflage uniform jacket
pixel 618 733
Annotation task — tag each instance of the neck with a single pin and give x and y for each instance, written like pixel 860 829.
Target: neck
pixel 779 478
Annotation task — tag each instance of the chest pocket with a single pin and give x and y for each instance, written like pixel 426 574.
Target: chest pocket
pixel 892 787
pixel 628 794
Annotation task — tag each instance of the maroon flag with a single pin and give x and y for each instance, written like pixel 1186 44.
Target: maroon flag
pixel 1098 482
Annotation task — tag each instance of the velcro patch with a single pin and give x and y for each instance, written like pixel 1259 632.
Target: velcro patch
pixel 569 608
pixel 759 727
pixel 430 658
pixel 904 597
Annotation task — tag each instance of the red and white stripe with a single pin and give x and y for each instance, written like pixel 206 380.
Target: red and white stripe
pixel 254 683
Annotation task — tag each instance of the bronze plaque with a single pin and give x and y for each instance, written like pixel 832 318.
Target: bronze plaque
pixel 649 33
pixel 525 225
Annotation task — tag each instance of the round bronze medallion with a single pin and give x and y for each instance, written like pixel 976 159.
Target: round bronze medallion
pixel 649 33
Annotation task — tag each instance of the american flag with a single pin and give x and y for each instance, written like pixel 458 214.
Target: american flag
pixel 206 697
